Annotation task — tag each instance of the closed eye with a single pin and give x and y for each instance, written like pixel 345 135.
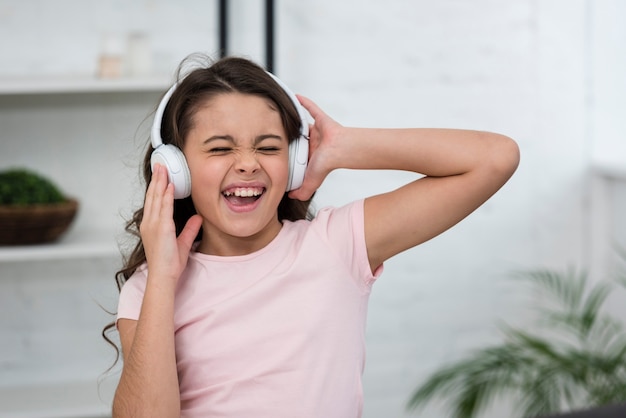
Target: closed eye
pixel 268 150
pixel 219 150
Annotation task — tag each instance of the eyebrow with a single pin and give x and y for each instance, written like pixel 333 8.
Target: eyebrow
pixel 229 138
pixel 217 138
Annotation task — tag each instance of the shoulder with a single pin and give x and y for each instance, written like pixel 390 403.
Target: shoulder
pixel 330 222
pixel 137 279
pixel 340 232
pixel 131 294
pixel 342 216
pixel 339 229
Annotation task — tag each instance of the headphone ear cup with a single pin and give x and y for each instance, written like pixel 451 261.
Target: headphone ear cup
pixel 298 159
pixel 173 159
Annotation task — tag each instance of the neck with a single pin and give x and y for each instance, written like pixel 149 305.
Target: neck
pixel 225 245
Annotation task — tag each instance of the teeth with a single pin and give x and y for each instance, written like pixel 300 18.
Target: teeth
pixel 244 192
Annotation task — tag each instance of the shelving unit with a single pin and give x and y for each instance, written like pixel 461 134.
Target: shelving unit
pixel 76 244
pixel 95 244
pixel 85 132
pixel 80 84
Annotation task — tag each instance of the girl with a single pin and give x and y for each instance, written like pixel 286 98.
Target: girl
pixel 236 302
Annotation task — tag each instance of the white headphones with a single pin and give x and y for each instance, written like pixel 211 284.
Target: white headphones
pixel 171 157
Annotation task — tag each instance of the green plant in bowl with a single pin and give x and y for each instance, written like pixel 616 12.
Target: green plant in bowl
pixel 33 209
pixel 22 187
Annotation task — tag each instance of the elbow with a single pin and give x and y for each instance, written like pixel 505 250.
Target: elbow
pixel 504 155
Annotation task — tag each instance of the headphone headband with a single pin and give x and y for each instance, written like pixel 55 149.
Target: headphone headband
pixel 155 132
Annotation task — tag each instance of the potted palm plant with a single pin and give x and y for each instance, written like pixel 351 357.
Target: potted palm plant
pixel 33 210
pixel 575 358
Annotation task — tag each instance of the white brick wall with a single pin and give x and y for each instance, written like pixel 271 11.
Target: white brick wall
pixel 525 68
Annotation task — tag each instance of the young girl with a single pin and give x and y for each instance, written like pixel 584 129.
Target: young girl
pixel 236 302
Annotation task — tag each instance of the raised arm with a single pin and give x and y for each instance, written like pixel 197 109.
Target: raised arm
pixel 148 385
pixel 461 169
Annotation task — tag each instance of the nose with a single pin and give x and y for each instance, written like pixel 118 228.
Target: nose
pixel 247 163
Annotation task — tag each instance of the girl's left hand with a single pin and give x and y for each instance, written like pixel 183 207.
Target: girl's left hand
pixel 323 143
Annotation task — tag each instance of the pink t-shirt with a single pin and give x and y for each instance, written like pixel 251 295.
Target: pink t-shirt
pixel 279 333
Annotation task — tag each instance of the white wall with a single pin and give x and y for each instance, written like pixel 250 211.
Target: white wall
pixel 607 62
pixel 535 70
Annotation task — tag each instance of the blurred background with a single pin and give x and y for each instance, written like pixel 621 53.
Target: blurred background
pixel 80 78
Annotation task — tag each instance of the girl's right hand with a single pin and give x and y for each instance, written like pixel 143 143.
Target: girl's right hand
pixel 166 254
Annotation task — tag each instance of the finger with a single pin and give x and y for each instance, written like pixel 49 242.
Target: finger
pixel 189 232
pixel 296 195
pixel 160 184
pixel 305 191
pixel 155 193
pixel 310 106
pixel 167 203
pixel 148 206
pixel 302 194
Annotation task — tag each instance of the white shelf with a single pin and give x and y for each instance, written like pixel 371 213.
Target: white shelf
pixel 81 84
pixel 75 245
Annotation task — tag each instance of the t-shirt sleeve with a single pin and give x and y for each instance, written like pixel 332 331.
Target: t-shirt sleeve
pixel 344 228
pixel 131 295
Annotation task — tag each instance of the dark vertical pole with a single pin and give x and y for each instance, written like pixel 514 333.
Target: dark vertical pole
pixel 269 35
pixel 223 27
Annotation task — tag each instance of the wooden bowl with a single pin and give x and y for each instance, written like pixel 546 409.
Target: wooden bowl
pixel 35 224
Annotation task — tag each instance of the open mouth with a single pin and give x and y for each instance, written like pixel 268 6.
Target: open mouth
pixel 241 196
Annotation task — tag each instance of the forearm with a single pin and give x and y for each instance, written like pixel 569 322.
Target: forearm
pixel 432 152
pixel 148 385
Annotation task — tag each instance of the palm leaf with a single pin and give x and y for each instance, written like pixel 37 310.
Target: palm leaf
pixel 566 288
pixel 472 382
pixel 586 366
pixel 578 309
pixel 545 394
pixel 591 307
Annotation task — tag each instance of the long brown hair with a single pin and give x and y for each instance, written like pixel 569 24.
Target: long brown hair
pixel 227 75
